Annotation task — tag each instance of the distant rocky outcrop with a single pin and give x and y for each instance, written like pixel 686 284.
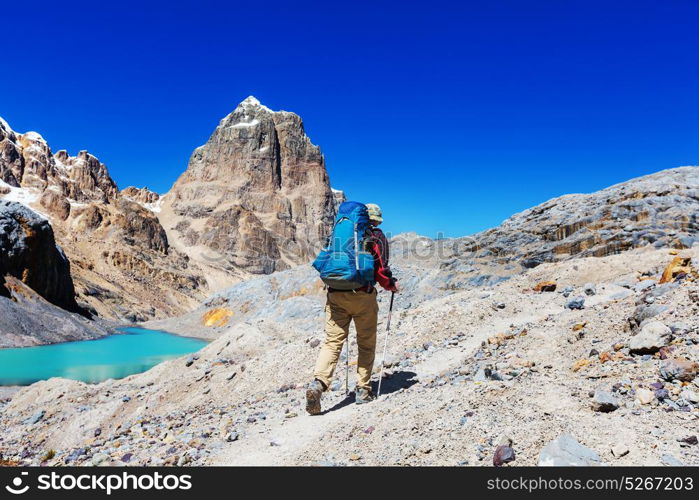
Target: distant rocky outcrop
pixel 658 210
pixel 661 209
pixel 143 196
pixel 340 198
pixel 255 197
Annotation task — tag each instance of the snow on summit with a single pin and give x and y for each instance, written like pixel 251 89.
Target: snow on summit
pixel 252 101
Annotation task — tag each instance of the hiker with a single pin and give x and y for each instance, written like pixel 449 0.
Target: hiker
pixel 351 296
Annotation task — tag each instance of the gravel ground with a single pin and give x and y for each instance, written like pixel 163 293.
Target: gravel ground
pixel 500 365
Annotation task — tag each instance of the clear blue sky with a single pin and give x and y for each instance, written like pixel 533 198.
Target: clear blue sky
pixel 452 115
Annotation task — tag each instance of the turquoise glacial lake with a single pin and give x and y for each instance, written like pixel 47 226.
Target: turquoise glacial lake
pixel 134 350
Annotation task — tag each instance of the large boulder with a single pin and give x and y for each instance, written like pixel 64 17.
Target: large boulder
pixel 644 312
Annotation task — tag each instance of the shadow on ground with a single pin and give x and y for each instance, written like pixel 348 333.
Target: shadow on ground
pixel 396 382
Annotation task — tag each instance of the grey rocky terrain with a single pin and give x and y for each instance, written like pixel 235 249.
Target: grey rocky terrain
pixel 589 357
pixel 466 372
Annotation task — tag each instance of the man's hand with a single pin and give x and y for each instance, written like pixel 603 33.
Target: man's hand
pixel 396 288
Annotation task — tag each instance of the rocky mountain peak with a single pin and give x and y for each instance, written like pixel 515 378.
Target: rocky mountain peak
pixel 256 196
pixel 27 162
pixel 249 113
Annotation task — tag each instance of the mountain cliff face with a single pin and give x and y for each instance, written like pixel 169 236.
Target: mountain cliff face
pixel 28 252
pixel 256 197
pixel 26 161
pixel 36 288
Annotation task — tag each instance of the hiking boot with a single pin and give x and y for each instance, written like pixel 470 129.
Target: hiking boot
pixel 313 393
pixel 363 395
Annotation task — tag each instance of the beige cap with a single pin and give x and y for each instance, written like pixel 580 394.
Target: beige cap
pixel 374 212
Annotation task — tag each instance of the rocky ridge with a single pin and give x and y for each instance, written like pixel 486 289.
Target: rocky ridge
pixel 658 210
pixel 119 252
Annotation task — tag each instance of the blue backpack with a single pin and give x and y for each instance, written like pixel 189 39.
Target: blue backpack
pixel 344 264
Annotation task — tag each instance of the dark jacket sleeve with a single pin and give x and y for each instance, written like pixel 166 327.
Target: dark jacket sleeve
pixel 378 246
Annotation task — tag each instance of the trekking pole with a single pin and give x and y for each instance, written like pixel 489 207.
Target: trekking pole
pixel 347 350
pixel 385 343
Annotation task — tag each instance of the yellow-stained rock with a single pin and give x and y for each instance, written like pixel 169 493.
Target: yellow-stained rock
pixel 217 317
pixel 580 364
pixel 676 266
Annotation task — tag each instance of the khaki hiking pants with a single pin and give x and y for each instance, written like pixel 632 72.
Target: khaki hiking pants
pixel 341 308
